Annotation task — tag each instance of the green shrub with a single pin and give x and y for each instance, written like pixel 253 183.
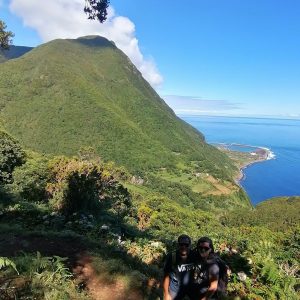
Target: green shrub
pixel 80 185
pixel 11 155
pixel 75 185
pixel 31 178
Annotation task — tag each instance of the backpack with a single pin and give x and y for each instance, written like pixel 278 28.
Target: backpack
pixel 174 258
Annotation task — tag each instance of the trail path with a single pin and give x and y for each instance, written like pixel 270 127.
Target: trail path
pixel 98 286
pixel 79 261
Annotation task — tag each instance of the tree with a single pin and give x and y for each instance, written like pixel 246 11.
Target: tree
pixel 96 9
pixel 11 156
pixel 5 36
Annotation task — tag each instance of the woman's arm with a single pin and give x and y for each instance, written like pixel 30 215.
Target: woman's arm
pixel 213 282
pixel 213 287
pixel 166 283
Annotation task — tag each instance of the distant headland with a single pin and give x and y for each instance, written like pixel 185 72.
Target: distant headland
pixel 245 155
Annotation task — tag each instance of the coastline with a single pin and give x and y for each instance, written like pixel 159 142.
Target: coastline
pixel 246 158
pixel 264 154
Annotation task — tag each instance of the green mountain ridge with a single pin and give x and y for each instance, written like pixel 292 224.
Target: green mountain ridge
pixel 13 52
pixel 277 214
pixel 68 94
pixel 54 210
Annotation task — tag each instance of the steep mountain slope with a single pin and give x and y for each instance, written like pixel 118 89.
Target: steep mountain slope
pixel 68 94
pixel 277 214
pixel 13 52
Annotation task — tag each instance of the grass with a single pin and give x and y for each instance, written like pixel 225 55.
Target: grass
pixel 13 52
pixel 202 187
pixel 198 183
pixel 102 266
pixel 68 94
pixel 72 93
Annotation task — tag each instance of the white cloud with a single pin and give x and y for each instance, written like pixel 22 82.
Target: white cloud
pixel 66 19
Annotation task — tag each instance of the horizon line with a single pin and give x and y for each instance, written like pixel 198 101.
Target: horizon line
pixel 243 116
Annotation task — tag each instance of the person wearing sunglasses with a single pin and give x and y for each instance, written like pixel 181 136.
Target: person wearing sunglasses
pixel 178 270
pixel 205 275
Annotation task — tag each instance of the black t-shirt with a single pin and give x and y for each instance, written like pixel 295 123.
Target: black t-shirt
pixel 179 270
pixel 202 272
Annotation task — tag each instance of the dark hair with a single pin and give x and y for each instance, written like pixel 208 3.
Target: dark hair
pixel 184 236
pixel 206 239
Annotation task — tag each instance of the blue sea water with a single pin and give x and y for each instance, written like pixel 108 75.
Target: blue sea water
pixel 276 177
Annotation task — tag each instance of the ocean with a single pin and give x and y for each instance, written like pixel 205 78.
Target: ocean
pixel 279 176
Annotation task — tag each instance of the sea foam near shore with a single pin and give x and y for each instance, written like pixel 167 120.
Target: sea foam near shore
pixel 270 153
pixel 262 154
pixel 278 175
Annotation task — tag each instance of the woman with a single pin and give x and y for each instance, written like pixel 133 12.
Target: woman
pixel 206 271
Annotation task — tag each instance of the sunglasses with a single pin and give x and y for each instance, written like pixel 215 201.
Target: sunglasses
pixel 184 245
pixel 203 249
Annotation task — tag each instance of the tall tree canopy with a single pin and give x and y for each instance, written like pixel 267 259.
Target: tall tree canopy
pixel 5 36
pixel 96 9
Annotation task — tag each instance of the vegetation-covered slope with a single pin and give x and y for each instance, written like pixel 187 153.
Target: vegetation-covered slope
pixel 67 94
pixel 13 52
pixel 71 230
pixel 280 213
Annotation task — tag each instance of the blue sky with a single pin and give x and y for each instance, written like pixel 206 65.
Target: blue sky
pixel 225 57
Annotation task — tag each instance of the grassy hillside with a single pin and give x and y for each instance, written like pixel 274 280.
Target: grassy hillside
pixel 278 214
pixel 13 52
pixel 69 94
pixel 54 244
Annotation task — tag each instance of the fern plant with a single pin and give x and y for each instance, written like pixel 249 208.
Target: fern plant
pixel 270 272
pixel 6 262
pixel 39 263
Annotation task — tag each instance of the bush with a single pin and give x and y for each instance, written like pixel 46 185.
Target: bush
pixel 11 155
pixel 77 185
pixel 31 178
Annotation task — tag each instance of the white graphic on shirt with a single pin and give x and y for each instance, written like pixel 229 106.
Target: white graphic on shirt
pixel 185 267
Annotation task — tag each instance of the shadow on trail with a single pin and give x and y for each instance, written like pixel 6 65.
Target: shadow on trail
pixel 103 268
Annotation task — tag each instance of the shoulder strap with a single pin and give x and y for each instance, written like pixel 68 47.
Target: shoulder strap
pixel 174 258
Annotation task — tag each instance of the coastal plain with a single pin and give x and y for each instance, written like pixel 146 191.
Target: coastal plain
pixel 244 159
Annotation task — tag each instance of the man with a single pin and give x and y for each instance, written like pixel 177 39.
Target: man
pixel 177 270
